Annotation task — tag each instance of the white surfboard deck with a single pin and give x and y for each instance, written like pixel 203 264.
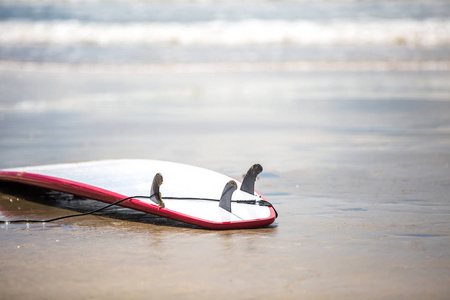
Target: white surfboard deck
pixel 111 180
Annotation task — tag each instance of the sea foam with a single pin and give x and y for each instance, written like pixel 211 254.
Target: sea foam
pixel 430 32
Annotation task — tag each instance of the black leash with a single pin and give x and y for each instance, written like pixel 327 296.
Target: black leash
pixel 259 202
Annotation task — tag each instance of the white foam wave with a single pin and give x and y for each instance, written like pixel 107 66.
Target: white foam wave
pixel 292 66
pixel 248 32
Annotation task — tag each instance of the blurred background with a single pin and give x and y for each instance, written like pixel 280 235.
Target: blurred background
pixel 208 81
pixel 224 32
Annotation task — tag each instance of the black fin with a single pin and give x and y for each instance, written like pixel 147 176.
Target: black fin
pixel 225 199
pixel 155 194
pixel 248 184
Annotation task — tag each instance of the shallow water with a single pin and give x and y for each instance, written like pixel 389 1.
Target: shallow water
pixel 356 164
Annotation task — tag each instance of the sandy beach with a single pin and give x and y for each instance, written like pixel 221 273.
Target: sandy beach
pixel 356 163
pixel 353 135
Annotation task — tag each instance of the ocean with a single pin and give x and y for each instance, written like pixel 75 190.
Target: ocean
pixel 345 104
pixel 233 32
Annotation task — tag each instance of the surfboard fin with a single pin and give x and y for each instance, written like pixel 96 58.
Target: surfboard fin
pixel 155 194
pixel 225 199
pixel 248 184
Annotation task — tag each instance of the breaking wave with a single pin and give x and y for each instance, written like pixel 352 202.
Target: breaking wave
pixel 430 32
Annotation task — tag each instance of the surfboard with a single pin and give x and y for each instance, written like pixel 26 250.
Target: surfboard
pixel 180 192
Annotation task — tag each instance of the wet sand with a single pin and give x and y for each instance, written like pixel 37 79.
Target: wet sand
pixel 356 164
